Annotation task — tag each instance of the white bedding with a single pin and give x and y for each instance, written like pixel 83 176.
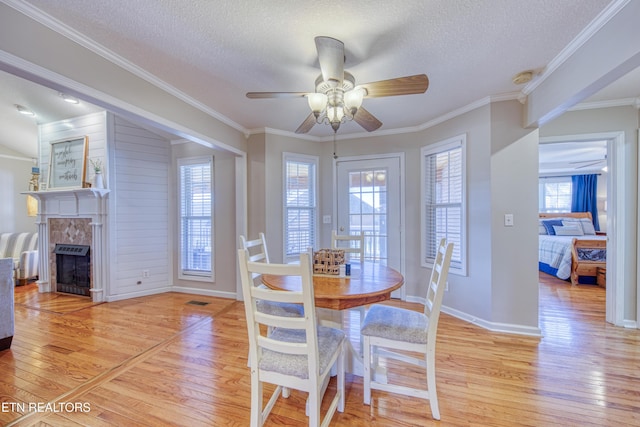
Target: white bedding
pixel 556 252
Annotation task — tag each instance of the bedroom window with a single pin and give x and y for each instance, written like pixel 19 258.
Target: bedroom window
pixel 300 210
pixel 443 201
pixel 195 185
pixel 554 194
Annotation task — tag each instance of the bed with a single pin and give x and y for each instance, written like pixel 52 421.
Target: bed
pixel 570 248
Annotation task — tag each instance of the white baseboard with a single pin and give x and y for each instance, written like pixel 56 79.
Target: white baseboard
pixel 206 292
pixel 144 293
pixel 507 328
pixel 491 326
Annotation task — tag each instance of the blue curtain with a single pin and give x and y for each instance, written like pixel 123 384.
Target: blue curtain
pixel 583 198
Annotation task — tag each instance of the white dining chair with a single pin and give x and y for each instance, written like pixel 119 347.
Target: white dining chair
pixel 257 252
pixel 297 354
pixel 351 244
pixel 402 329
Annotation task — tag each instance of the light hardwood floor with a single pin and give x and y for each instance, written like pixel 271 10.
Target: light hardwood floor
pixel 161 360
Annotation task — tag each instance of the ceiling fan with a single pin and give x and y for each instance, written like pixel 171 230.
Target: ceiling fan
pixel 337 98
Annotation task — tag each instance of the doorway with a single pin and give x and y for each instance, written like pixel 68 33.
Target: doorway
pixel 616 174
pixel 369 199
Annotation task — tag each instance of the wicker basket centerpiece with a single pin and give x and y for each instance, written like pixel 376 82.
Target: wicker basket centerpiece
pixel 328 261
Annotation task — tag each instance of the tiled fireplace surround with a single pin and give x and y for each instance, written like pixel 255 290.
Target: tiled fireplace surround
pixel 76 217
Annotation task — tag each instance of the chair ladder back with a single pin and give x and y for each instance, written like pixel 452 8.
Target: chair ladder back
pixel 337 239
pixel 257 248
pixel 253 294
pixel 275 350
pixel 438 279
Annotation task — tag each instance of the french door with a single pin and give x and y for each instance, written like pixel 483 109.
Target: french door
pixel 369 200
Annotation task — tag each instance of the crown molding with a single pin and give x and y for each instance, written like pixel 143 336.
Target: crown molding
pixel 594 26
pixel 623 102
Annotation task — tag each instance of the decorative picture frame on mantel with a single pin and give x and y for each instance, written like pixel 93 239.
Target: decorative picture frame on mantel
pixel 68 163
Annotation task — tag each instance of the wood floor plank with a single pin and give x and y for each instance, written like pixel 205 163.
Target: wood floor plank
pixel 162 361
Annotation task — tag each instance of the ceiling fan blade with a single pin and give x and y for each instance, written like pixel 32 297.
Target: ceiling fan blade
pixel 408 85
pixel 331 58
pixel 586 165
pixel 260 95
pixel 307 124
pixel 366 120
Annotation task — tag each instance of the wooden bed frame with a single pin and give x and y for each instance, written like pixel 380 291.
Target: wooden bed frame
pixel 581 267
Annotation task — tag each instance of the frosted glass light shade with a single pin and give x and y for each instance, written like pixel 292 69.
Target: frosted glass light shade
pixel 317 101
pixel 353 99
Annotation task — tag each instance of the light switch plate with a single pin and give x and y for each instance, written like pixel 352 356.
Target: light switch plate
pixel 508 220
pixel 326 219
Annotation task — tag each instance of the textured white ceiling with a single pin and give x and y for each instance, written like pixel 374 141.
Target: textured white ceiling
pixel 216 51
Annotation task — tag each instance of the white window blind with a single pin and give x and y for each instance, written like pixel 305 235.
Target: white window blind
pixel 196 202
pixel 299 204
pixel 443 201
pixel 555 194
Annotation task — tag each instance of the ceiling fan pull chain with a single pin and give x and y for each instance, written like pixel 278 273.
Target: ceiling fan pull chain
pixel 335 156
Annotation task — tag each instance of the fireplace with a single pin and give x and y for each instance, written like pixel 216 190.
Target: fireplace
pixel 73 268
pixel 73 217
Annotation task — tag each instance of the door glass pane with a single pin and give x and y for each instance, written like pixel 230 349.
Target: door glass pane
pixel 368 211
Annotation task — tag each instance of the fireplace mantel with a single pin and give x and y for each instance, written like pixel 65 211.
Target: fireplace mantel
pixel 71 202
pixel 74 204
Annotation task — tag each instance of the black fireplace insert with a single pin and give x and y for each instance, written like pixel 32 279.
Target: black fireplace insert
pixel 73 268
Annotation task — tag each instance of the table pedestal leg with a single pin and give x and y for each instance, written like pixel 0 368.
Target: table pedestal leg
pixel 354 364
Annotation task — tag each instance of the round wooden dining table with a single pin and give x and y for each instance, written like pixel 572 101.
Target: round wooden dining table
pixel 367 284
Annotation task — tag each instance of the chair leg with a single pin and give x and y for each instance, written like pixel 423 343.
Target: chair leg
pixel 367 369
pixel 431 384
pixel 341 369
pixel 315 397
pixel 256 401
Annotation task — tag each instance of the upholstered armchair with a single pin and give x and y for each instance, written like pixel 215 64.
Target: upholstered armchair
pixel 6 303
pixel 23 249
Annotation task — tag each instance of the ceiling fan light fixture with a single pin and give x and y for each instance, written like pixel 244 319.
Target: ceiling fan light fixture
pixel 336 98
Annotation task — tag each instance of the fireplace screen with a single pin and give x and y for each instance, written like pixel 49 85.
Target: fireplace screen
pixel 73 269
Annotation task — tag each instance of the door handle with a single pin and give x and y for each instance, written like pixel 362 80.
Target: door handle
pixel 341 228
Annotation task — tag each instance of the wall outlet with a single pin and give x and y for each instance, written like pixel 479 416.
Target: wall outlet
pixel 145 273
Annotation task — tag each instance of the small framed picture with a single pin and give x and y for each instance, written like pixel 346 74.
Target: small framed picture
pixel 68 163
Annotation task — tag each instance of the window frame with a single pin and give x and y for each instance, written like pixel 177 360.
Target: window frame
pixel 190 274
pixel 288 157
pixel 458 267
pixel 542 207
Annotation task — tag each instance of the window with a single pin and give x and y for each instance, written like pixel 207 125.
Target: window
pixel 299 204
pixel 554 194
pixel 196 221
pixel 443 201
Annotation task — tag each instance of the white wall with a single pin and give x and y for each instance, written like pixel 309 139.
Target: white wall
pixel 92 126
pixel 514 190
pixel 15 174
pixel 614 119
pixel 272 186
pixel 224 217
pixel 138 177
pixel 496 292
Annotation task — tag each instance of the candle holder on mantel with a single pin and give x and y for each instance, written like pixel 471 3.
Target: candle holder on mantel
pixel 34 185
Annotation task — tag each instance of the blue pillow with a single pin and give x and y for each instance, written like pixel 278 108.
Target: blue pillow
pixel 548 224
